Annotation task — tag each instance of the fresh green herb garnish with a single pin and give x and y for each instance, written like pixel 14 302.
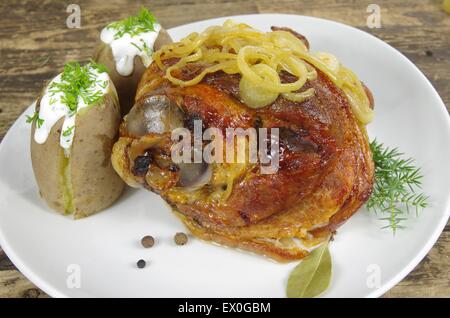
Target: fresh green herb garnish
pixel 90 98
pixel 136 46
pixel 35 118
pixel 77 81
pixel 144 48
pixel 68 131
pixel 134 25
pixel 104 84
pixel 97 66
pixel 397 181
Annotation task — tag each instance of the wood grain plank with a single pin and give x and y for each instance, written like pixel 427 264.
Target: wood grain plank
pixel 13 283
pixel 431 278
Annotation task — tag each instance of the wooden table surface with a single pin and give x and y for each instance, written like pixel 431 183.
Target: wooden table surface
pixel 35 43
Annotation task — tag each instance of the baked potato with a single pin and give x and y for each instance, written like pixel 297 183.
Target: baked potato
pixel 71 162
pixel 133 50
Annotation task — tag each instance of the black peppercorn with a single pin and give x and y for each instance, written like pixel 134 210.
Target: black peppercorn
pixel 140 263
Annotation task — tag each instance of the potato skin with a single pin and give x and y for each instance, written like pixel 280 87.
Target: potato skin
pixel 126 85
pixel 94 183
pixel 162 39
pixel 46 160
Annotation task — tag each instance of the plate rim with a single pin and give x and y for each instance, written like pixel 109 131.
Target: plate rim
pixel 386 286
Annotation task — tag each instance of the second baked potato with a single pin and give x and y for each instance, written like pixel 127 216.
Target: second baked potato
pixel 126 48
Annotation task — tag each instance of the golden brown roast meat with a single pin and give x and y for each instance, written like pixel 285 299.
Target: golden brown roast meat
pixel 325 169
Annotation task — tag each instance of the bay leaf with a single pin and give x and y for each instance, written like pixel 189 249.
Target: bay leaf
pixel 312 276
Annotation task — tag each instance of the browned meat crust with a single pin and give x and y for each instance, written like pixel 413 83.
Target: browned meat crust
pixel 301 37
pixel 326 168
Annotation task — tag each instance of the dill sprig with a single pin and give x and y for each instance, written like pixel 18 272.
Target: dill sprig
pixel 134 25
pixel 144 48
pixel 77 81
pixel 397 181
pixel 68 131
pixel 35 118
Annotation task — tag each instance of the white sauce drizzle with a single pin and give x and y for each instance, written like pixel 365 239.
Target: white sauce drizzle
pixel 124 48
pixel 52 109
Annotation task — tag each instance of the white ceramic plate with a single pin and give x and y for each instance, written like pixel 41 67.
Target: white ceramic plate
pixel 50 249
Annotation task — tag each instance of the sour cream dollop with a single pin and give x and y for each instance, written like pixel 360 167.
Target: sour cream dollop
pixel 52 108
pixel 127 47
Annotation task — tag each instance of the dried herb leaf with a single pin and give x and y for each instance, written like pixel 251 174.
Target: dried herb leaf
pixel 312 276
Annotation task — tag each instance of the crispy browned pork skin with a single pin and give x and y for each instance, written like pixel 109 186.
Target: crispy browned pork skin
pixel 325 174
